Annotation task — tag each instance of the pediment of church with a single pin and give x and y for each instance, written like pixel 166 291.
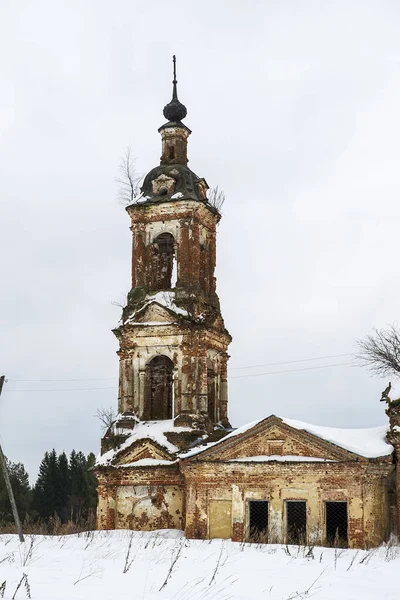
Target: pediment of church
pixel 141 449
pixel 274 438
pixel 154 313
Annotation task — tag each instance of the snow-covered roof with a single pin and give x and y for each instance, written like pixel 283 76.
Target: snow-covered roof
pixel 153 430
pixel 370 443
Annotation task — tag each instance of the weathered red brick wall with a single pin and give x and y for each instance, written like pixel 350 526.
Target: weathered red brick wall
pixel 361 487
pixel 143 498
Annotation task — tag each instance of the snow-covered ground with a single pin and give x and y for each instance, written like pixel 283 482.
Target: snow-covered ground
pixel 122 565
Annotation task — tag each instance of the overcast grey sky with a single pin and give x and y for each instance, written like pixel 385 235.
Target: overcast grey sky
pixel 294 108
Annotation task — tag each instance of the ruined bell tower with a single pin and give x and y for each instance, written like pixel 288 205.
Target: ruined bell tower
pixel 172 339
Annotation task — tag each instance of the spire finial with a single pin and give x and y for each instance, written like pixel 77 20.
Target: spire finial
pixel 174 81
pixel 175 110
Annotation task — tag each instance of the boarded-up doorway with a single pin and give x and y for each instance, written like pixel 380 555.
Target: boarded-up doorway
pixel 220 519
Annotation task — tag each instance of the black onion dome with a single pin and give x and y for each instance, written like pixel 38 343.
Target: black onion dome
pixel 175 110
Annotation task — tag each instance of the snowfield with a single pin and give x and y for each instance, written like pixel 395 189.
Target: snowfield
pixel 122 565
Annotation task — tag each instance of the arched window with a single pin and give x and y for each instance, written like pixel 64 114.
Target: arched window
pixel 159 393
pixel 163 261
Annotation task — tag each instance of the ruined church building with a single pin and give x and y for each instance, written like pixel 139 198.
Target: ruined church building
pixel 172 459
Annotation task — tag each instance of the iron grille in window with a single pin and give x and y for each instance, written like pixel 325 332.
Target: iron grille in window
pixel 296 522
pixel 336 523
pixel 258 521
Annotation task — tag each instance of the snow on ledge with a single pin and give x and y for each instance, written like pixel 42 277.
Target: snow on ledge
pixel 166 299
pixel 150 323
pixel 147 462
pixel 280 458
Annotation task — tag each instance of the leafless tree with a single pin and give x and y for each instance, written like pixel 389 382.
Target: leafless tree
pixel 380 351
pixel 128 180
pixel 107 417
pixel 216 198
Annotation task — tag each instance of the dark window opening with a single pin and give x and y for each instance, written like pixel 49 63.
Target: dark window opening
pixel 211 391
pixel 258 521
pixel 171 152
pixel 163 261
pixel 158 393
pixel 336 523
pixel 296 522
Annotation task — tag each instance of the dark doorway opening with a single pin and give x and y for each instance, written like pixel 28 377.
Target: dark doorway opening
pixel 158 393
pixel 296 522
pixel 163 260
pixel 336 523
pixel 258 521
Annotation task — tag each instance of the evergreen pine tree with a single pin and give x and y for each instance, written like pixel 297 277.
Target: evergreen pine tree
pixel 64 479
pixel 19 480
pixel 77 500
pixel 66 488
pixel 39 493
pixel 91 483
pixel 48 489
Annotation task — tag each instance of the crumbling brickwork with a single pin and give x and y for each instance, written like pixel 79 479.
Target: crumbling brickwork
pixel 173 355
pixel 142 498
pixel 217 474
pixel 181 322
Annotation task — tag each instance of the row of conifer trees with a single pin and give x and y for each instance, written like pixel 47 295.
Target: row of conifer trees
pixel 65 490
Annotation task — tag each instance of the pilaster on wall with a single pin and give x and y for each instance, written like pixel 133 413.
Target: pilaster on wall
pixel 106 508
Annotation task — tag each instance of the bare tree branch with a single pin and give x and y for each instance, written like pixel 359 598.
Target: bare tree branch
pixel 107 417
pixel 380 352
pixel 216 198
pixel 128 180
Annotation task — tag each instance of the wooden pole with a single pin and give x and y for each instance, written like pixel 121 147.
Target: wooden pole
pixel 8 482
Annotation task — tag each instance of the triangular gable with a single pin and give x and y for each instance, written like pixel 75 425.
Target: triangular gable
pixel 273 437
pixel 144 448
pixel 154 313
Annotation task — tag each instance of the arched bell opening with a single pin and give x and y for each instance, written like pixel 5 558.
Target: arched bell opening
pixel 163 261
pixel 158 391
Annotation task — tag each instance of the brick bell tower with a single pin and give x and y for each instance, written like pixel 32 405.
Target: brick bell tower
pixel 172 338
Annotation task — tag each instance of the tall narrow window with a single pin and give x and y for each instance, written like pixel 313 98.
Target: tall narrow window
pixel 163 261
pixel 258 521
pixel 158 393
pixel 336 523
pixel 296 522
